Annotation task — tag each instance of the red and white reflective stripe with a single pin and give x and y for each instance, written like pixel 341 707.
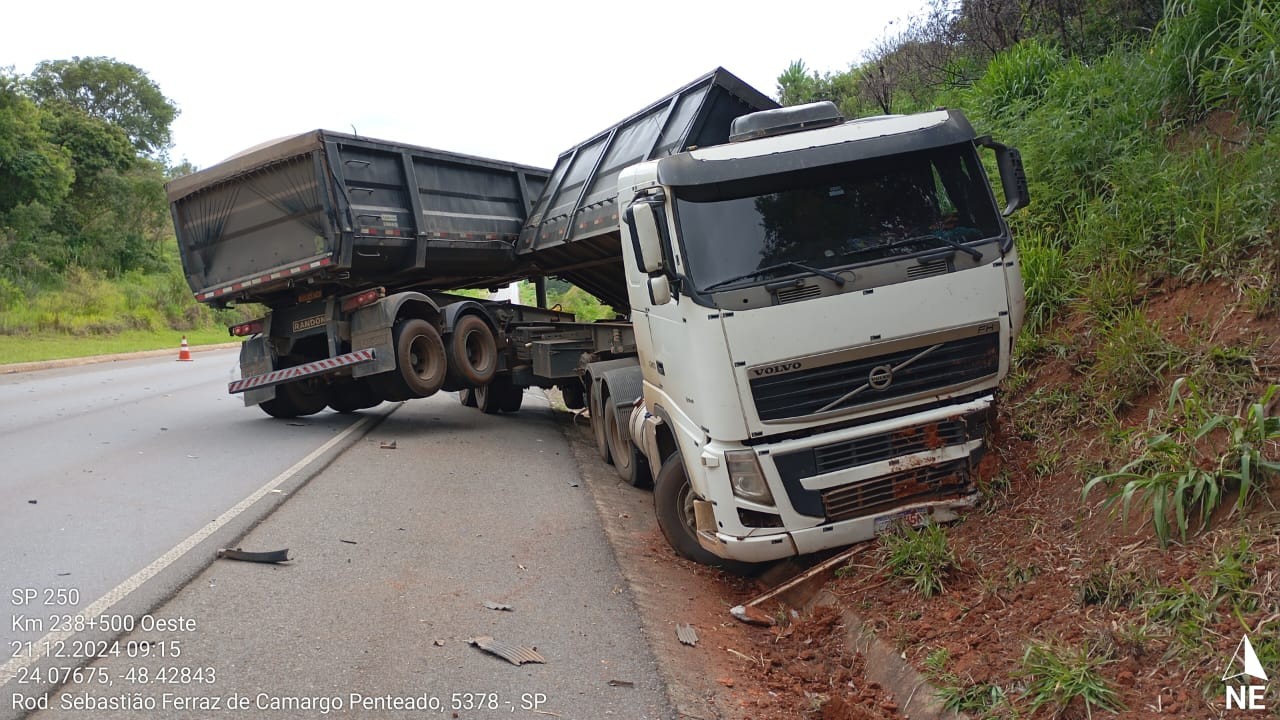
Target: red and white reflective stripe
pixel 274 275
pixel 319 367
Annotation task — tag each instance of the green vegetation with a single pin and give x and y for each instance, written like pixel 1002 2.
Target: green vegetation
pixel 1055 676
pixel 56 346
pixel 1178 475
pixel 961 695
pixel 1150 252
pixel 920 555
pixel 86 248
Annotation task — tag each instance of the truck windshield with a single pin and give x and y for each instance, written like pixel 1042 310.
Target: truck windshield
pixel 758 229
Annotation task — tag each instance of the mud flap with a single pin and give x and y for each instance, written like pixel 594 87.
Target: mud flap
pixel 255 359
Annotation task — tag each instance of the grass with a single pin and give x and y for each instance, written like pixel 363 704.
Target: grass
pixel 1058 676
pixel 1175 476
pixel 920 555
pixel 33 348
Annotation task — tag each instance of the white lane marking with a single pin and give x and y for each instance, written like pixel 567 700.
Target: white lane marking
pixel 11 668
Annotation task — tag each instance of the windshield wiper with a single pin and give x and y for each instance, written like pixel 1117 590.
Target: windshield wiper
pixel 839 281
pixel 975 254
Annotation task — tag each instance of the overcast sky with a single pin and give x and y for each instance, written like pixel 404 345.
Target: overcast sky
pixel 516 81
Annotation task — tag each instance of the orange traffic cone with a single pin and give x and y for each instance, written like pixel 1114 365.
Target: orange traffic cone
pixel 184 353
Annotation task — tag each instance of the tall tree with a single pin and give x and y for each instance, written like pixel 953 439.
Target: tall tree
pixel 116 92
pixel 33 168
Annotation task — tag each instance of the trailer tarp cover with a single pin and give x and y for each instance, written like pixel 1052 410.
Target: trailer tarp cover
pixel 572 231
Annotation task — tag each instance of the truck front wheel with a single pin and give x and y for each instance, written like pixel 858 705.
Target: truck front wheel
pixel 673 504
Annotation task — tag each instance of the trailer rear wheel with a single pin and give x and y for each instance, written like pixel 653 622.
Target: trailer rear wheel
pixel 295 399
pixel 352 395
pixel 420 363
pixel 673 504
pixel 473 351
pixel 499 396
pixel 630 463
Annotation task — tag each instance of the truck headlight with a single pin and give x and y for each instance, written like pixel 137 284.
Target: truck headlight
pixel 746 477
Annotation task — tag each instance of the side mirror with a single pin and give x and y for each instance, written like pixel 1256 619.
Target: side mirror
pixel 647 222
pixel 1013 178
pixel 659 290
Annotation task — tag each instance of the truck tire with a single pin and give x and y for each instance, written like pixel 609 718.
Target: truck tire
pixel 573 394
pixel 473 351
pixel 489 397
pixel 596 403
pixel 673 505
pixel 296 399
pixel 467 396
pixel 352 395
pixel 420 362
pixel 499 396
pixel 630 463
pixel 512 398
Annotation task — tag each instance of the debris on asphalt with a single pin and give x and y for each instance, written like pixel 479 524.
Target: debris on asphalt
pixel 387 445
pixel 687 634
pixel 296 424
pixel 272 556
pixel 349 542
pixel 498 606
pixel 31 502
pixel 438 643
pixel 725 681
pixel 514 654
pixel 622 683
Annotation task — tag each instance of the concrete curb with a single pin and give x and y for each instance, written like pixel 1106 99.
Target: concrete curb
pixel 912 691
pixel 95 359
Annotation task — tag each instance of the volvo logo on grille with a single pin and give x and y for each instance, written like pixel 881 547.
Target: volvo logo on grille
pixel 880 377
pixel 776 369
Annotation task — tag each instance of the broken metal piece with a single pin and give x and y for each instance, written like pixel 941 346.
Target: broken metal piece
pixel 498 606
pixel 388 445
pixel 750 611
pixel 273 556
pixel 687 634
pixel 514 654
pixel 622 683
pixel 349 542
pixel 753 615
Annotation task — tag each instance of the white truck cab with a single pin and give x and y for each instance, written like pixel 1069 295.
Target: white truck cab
pixel 823 310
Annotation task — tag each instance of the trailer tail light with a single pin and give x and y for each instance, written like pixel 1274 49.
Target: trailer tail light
pixel 361 299
pixel 252 327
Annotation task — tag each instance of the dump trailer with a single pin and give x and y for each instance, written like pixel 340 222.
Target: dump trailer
pixel 347 241
pixel 819 311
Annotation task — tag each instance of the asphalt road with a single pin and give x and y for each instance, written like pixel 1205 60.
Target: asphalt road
pixel 106 467
pixel 395 553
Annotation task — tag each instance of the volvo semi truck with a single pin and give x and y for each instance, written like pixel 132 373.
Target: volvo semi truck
pixel 813 312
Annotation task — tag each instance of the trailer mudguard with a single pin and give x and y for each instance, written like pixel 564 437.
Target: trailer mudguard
pixel 255 359
pixel 371 328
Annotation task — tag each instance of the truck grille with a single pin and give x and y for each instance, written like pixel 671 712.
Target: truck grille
pixel 890 491
pixel 816 390
pixel 877 448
